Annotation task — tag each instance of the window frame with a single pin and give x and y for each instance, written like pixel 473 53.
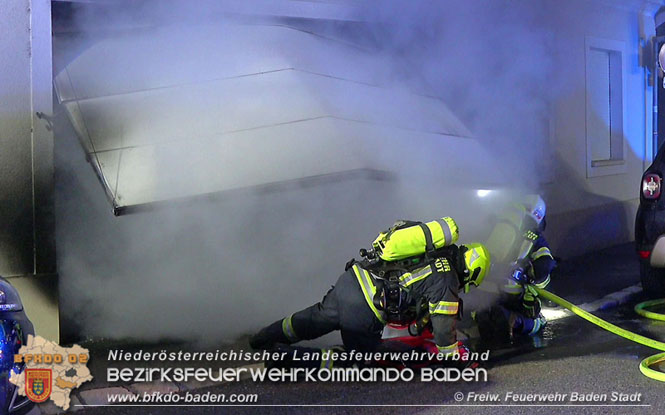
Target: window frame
pixel 596 168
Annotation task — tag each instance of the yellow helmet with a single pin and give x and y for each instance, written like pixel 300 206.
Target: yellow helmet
pixel 477 261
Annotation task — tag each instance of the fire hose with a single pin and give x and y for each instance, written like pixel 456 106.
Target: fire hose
pixel 645 365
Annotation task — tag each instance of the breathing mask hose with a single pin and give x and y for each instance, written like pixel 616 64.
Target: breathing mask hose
pixel 646 363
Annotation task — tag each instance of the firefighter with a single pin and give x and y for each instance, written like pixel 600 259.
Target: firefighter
pixel 383 288
pixel 519 234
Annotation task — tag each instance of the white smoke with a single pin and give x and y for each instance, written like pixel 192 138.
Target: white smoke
pixel 218 269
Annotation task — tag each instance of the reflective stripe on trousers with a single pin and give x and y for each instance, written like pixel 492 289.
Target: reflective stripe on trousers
pixel 327 363
pixel 287 329
pixel 447 349
pixel 444 307
pixel 369 290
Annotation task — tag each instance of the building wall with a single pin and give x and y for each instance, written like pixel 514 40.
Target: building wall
pixel 588 213
pixel 27 254
pixel 15 125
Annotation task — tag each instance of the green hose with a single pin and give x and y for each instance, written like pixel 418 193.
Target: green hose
pixel 646 363
pixel 645 366
pixel 641 309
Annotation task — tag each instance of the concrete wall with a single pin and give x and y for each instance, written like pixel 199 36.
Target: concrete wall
pixel 27 251
pixel 588 213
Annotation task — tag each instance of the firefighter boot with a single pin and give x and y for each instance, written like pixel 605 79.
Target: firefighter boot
pixel 269 336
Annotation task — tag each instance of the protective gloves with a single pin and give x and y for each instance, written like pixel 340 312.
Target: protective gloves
pixel 530 302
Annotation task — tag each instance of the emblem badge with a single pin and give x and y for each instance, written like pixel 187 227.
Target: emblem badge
pixel 651 186
pixel 38 384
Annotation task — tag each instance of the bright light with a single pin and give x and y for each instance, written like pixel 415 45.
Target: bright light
pixel 552 314
pixel 483 192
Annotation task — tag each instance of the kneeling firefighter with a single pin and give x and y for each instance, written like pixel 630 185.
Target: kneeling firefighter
pixel 412 273
pixel 518 235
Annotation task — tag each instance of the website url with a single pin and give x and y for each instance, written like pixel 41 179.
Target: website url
pixel 177 398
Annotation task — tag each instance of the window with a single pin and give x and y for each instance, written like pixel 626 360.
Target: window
pixel 605 142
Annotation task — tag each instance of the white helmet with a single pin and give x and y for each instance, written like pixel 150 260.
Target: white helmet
pixel 535 207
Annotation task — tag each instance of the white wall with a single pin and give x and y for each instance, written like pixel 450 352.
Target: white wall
pixel 15 124
pixel 26 160
pixel 587 213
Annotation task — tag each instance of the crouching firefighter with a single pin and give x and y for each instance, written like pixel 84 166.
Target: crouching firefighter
pixel 413 272
pixel 519 235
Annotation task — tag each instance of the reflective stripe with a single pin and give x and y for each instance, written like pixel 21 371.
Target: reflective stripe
pixel 369 290
pixel 448 349
pixel 536 327
pixel 474 256
pixel 444 307
pixel 447 232
pixel 538 324
pixel 407 278
pixel 543 284
pixel 525 248
pixel 326 363
pixel 512 289
pixel 544 251
pixel 287 329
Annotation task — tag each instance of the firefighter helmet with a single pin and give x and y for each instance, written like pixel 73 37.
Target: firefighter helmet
pixel 477 262
pixel 535 207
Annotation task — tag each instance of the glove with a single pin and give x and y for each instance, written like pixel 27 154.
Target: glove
pixel 530 302
pixel 523 272
pixel 530 275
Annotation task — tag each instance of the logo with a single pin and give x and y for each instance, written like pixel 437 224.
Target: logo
pixel 51 371
pixel 537 214
pixel 530 235
pixel 38 384
pixel 442 265
pixel 651 186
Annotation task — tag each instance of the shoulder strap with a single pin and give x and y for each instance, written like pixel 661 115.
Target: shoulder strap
pixel 400 224
pixel 429 244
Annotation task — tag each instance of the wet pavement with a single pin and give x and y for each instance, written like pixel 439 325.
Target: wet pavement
pixel 571 357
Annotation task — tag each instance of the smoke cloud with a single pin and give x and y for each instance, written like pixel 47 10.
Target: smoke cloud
pixel 490 61
pixel 216 269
